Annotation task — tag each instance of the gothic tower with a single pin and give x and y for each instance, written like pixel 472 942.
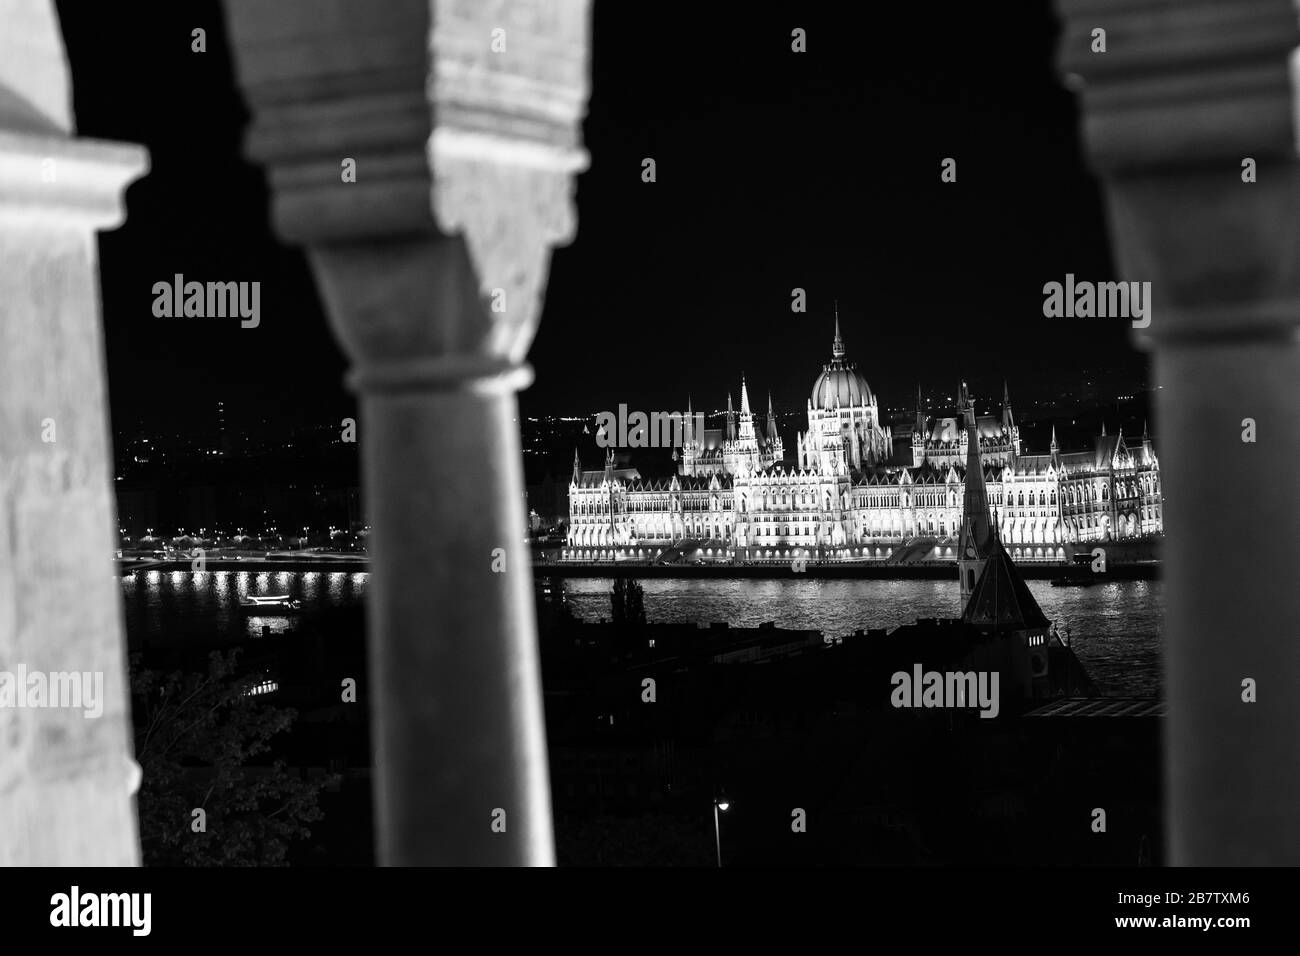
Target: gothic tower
pixel 976 542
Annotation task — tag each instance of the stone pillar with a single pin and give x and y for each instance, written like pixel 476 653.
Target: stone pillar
pixel 1184 93
pixel 462 119
pixel 67 776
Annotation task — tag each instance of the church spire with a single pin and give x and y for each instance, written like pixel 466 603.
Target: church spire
pixel 771 418
pixel 976 541
pixel 1008 420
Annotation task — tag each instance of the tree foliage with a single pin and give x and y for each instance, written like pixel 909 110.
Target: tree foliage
pixel 196 734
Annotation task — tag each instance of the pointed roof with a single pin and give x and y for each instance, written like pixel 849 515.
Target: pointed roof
pixel 837 346
pixel 976 527
pixel 1001 600
pixel 744 396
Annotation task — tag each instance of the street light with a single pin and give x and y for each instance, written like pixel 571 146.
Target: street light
pixel 721 804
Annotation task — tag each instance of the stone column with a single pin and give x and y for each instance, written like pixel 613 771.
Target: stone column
pixel 1184 94
pixel 67 776
pixel 462 120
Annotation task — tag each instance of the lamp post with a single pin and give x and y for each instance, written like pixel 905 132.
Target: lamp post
pixel 720 805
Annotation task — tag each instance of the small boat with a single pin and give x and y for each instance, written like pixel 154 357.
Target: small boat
pixel 270 604
pixel 1079 575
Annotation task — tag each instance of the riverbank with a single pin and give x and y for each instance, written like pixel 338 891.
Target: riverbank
pixel 1139 571
pixel 1142 571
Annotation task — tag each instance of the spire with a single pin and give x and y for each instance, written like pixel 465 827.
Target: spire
pixel 731 420
pixel 771 418
pixel 920 413
pixel 837 347
pixel 1008 420
pixel 976 541
pixel 1103 428
pixel 1054 446
pixel 1146 435
pixel 577 467
pixel 747 430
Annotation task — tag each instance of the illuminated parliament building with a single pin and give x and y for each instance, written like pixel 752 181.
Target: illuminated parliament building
pixel 854 493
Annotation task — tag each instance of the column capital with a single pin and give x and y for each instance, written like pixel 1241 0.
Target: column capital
pixel 1184 93
pixel 49 180
pixel 463 120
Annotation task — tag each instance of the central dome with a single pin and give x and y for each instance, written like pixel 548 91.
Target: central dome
pixel 840 384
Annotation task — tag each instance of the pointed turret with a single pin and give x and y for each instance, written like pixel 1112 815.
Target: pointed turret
pixel 1008 420
pixel 1001 602
pixel 837 346
pixel 747 431
pixel 731 420
pixel 1054 448
pixel 577 468
pixel 920 412
pixel 771 419
pixel 976 539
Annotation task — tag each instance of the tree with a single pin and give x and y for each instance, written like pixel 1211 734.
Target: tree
pixel 195 734
pixel 627 602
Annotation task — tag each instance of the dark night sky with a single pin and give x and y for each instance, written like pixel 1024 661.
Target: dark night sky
pixel 775 170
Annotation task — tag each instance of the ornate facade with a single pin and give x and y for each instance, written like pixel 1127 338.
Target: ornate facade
pixel 853 493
